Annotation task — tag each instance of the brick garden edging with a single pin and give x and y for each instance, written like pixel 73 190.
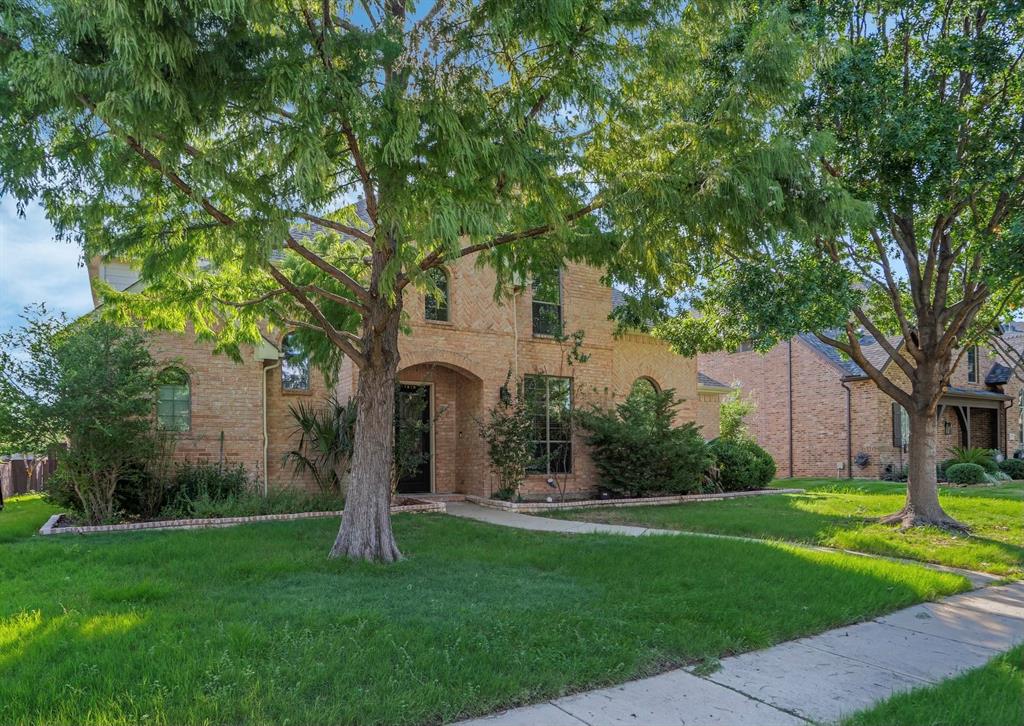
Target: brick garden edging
pixel 635 502
pixel 51 524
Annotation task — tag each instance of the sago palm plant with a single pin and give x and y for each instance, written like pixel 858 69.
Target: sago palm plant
pixel 326 433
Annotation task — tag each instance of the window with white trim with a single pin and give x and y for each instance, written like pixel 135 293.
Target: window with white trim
pixel 549 401
pixel 173 400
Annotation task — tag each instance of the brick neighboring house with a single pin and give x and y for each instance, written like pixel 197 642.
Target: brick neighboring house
pixel 818 414
pixel 457 358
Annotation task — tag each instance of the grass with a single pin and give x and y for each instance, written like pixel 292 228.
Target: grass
pixel 22 516
pixel 992 695
pixel 253 624
pixel 840 513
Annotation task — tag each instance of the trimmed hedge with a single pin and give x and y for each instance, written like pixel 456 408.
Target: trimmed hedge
pixel 965 473
pixel 1013 468
pixel 742 465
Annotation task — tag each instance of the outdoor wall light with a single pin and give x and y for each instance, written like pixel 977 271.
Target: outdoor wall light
pixel 946 427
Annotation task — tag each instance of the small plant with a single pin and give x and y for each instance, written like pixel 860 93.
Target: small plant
pixel 326 434
pixel 965 473
pixel 1013 468
pixel 895 472
pixel 733 412
pixel 742 465
pixel 508 433
pixel 193 483
pixel 985 458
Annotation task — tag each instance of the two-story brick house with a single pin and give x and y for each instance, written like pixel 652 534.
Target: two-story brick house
pixel 818 414
pixel 463 348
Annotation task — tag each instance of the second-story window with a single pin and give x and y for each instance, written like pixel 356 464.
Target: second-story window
pixel 972 364
pixel 547 304
pixel 294 364
pixel 435 305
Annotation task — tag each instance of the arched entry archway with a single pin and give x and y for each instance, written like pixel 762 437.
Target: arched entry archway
pixel 446 400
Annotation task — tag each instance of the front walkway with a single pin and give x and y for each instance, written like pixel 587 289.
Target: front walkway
pixel 816 679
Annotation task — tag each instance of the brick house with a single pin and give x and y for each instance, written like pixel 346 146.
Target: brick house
pixel 462 348
pixel 818 414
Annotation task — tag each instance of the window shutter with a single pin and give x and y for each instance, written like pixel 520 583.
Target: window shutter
pixel 897 426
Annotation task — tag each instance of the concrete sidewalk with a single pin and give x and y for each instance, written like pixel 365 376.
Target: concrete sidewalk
pixel 818 679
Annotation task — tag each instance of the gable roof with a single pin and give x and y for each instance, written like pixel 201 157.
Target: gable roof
pixel 875 354
pixel 706 381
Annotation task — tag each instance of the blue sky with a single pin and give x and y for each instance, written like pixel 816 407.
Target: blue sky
pixel 36 268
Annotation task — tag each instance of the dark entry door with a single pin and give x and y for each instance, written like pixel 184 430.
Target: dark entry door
pixel 412 437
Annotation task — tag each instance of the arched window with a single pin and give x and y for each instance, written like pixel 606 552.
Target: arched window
pixel 173 400
pixel 643 387
pixel 294 364
pixel 436 302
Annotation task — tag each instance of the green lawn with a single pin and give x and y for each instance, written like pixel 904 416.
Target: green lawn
pixel 840 513
pixel 992 695
pixel 22 516
pixel 253 624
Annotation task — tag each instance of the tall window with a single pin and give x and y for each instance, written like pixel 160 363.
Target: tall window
pixel 549 400
pixel 173 400
pixel 294 364
pixel 436 302
pixel 900 427
pixel 547 304
pixel 972 364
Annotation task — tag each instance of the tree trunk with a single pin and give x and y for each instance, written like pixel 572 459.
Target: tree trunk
pixel 922 507
pixel 365 532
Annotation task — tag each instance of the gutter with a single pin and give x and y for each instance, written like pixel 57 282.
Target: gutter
pixel 790 395
pixel 849 429
pixel 266 439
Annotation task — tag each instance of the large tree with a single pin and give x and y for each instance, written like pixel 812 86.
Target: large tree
pixel 190 138
pixel 914 110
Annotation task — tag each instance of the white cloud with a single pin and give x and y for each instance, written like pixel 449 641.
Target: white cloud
pixel 34 267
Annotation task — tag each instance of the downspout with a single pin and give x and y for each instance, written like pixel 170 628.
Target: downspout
pixel 849 429
pixel 266 439
pixel 790 376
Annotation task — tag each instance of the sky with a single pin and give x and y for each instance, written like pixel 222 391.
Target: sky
pixel 34 267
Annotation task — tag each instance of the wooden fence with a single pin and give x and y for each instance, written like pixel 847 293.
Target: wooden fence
pixel 19 476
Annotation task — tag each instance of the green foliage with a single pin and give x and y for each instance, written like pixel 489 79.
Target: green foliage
pixel 1014 468
pixel 965 473
pixel 742 465
pixel 194 481
pixel 638 450
pixel 985 458
pixel 326 435
pixel 90 384
pixel 733 412
pixel 508 434
pixel 250 503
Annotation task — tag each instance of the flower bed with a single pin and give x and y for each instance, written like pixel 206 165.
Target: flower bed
pixel 525 507
pixel 59 524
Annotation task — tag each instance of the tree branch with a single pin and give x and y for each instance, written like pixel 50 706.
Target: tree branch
pixel 329 330
pixel 338 227
pixel 344 278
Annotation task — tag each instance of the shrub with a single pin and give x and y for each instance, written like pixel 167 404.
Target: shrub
pixel 732 413
pixel 326 436
pixel 1013 468
pixel 252 503
pixel 89 384
pixel 508 434
pixel 965 474
pixel 985 458
pixel 742 465
pixel 202 482
pixel 639 452
pixel 894 472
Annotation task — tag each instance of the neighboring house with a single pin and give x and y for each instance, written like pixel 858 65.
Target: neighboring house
pixel 461 351
pixel 818 414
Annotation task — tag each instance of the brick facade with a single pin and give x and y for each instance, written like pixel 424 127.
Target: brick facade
pixel 465 361
pixel 797 382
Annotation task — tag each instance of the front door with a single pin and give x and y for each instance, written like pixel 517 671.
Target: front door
pixel 412 438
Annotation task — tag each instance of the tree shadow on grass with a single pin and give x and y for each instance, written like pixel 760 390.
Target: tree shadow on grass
pixel 476 618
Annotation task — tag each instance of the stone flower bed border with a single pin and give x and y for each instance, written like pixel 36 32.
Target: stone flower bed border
pixel 52 525
pixel 526 507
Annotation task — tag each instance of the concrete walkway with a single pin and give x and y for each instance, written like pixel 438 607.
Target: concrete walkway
pixel 818 679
